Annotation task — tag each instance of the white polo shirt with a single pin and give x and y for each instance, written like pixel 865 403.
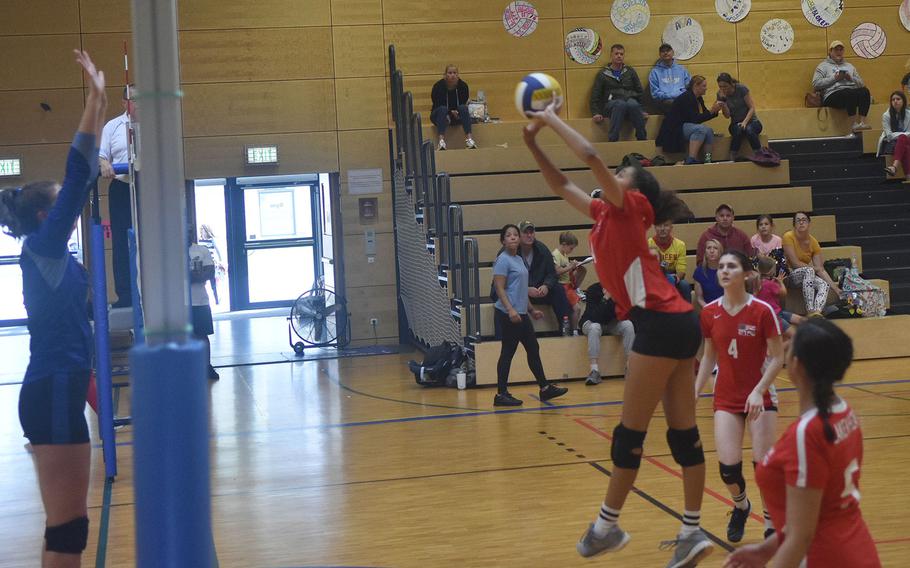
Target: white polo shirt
pixel 114 146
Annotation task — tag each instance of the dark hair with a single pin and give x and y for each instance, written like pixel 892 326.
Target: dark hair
pixel 825 352
pixel 897 119
pixel 19 206
pixel 617 46
pixel 568 238
pixel 809 217
pixel 744 263
pixel 759 220
pixel 667 206
pixel 726 78
pixel 505 228
pixel 722 207
pixel 664 47
pixel 696 79
pixel 905 80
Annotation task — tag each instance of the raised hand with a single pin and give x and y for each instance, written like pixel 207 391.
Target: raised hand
pixel 96 77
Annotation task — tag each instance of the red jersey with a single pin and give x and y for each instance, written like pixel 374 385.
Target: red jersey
pixel 626 268
pixel 803 457
pixel 741 343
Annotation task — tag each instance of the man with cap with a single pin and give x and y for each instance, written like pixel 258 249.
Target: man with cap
pixel 841 86
pixel 543 284
pixel 725 233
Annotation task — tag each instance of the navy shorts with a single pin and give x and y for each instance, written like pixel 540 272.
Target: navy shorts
pixel 52 408
pixel 659 334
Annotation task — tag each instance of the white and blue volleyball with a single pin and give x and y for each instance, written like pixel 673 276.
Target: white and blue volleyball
pixel 535 92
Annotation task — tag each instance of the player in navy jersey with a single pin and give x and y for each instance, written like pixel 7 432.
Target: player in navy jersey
pixel 742 336
pixel 55 292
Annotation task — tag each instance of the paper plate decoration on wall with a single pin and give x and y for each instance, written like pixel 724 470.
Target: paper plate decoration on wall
pixel 905 13
pixel 822 13
pixel 584 45
pixel 777 36
pixel 685 35
pixel 733 10
pixel 868 40
pixel 519 18
pixel 630 16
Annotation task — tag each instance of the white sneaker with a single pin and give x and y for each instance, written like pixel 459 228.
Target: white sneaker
pixel 861 126
pixel 470 144
pixel 442 144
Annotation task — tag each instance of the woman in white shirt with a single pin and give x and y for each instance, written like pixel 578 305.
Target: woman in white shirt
pixel 895 131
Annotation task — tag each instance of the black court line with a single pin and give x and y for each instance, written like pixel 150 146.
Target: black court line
pixel 880 394
pixel 664 508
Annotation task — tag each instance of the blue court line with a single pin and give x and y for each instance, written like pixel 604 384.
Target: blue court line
pixel 105 522
pixel 478 413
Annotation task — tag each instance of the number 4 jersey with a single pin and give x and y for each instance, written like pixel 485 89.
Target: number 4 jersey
pixel 741 344
pixel 804 457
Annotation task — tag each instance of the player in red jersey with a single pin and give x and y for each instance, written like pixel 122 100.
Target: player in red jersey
pixel 666 334
pixel 810 478
pixel 739 331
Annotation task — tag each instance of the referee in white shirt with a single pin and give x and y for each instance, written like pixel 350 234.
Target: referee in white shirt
pixel 114 149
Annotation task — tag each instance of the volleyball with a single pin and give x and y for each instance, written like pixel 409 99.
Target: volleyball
pixel 868 40
pixel 535 92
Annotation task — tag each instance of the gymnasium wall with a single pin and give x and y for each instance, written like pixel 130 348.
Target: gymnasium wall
pixel 309 75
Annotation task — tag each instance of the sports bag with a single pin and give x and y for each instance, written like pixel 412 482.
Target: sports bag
pixel 765 157
pixel 868 298
pixel 437 364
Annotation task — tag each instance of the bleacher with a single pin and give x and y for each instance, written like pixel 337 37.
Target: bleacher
pixel 470 194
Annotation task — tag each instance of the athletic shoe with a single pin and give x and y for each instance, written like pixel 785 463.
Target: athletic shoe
pixel 861 126
pixel 768 533
pixel 506 399
pixel 552 391
pixel 690 160
pixel 470 144
pixel 736 528
pixel 688 551
pixel 591 545
pixel 442 144
pixel 593 378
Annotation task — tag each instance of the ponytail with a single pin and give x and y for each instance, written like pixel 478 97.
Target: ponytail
pixel 822 394
pixel 19 207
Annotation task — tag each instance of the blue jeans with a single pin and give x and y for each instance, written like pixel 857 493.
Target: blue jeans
pixel 683 287
pixel 440 117
pixel 618 111
pixel 751 132
pixel 698 133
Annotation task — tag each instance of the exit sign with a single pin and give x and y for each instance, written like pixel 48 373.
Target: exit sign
pixel 10 167
pixel 258 155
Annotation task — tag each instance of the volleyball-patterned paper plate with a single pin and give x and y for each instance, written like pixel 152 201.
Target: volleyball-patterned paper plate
pixel 868 40
pixel 822 13
pixel 685 35
pixel 520 18
pixel 904 11
pixel 584 45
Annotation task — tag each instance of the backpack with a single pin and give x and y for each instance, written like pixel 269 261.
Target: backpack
pixel 635 159
pixel 868 298
pixel 438 362
pixel 766 157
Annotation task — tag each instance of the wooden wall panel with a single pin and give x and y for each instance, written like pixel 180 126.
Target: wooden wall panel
pixel 353 12
pixel 365 302
pixel 256 55
pixel 358 271
pixel 886 17
pixel 222 156
pixel 25 17
pixel 235 14
pixel 882 76
pixel 359 149
pixel 675 8
pixel 106 50
pixel 781 85
pixel 410 12
pixel 39 62
pixel 360 104
pixel 105 16
pixel 39 162
pixel 350 210
pixel 25 122
pixel 487 47
pixel 359 51
pixel 258 108
pixel 810 42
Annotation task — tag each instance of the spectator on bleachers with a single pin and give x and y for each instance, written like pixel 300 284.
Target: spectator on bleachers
pixel 599 318
pixel 841 86
pixel 725 233
pixel 450 106
pixel 807 264
pixel 707 288
pixel 513 326
pixel 543 285
pixel 765 241
pixel 617 95
pixel 668 79
pixel 672 254
pixel 773 291
pixel 739 107
pixel 570 274
pixel 895 138
pixel 682 127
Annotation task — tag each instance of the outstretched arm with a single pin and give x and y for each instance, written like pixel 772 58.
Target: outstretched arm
pixel 558 182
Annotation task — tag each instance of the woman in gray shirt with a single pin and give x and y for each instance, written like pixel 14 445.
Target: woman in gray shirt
pixel 739 107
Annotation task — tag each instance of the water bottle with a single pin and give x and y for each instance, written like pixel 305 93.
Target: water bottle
pixel 853 263
pixel 566 332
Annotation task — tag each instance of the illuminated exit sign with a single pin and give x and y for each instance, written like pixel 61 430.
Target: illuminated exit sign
pixel 259 155
pixel 10 167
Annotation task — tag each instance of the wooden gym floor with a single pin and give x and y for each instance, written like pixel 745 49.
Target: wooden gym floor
pixel 349 463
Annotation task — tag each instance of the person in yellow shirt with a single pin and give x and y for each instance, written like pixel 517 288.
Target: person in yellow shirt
pixel 672 253
pixel 807 264
pixel 569 273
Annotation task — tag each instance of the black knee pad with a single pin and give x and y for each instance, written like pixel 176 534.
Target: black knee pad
pixel 733 475
pixel 627 447
pixel 68 538
pixel 685 445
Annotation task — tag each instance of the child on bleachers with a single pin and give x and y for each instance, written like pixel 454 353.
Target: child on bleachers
pixel 707 288
pixel 773 292
pixel 672 255
pixel 570 273
pixel 599 319
pixel 765 241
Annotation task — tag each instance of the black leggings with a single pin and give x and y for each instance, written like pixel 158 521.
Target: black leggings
pixel 850 100
pixel 512 335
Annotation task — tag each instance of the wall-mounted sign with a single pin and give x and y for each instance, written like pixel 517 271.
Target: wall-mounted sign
pixel 362 182
pixel 10 167
pixel 261 155
pixel 777 36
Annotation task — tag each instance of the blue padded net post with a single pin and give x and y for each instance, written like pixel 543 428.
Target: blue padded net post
pixel 103 376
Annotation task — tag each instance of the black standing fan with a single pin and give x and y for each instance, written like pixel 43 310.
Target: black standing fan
pixel 318 319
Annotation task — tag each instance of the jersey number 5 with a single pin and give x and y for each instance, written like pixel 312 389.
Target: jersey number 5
pixel 850 473
pixel 731 351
